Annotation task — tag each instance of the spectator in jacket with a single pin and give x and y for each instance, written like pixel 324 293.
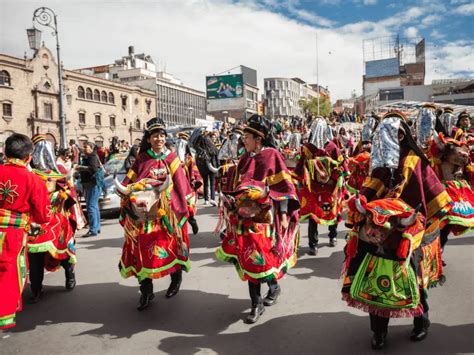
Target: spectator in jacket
pixel 89 171
pixel 206 154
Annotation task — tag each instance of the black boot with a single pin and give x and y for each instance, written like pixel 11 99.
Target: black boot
pixel 146 294
pixel 420 330
pixel 313 237
pixel 255 313
pixel 333 235
pixel 36 296
pixel 70 275
pixel 378 341
pixel 176 279
pixel 272 295
pixel 192 221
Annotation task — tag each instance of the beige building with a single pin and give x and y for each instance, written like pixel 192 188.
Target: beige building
pixel 95 109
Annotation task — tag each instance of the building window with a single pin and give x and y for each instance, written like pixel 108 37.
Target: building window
pixel 82 118
pixel 124 101
pixel 88 94
pixel 114 76
pixel 148 105
pixel 103 96
pixel 48 111
pixel 5 78
pixel 98 121
pixel 7 110
pixel 138 124
pixel 111 98
pixel 112 121
pixel 96 95
pixel 80 92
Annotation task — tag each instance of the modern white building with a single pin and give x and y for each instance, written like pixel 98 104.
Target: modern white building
pixel 176 103
pixel 282 96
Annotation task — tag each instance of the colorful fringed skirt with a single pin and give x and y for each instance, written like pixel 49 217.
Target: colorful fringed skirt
pixel 152 251
pixel 460 219
pixel 250 247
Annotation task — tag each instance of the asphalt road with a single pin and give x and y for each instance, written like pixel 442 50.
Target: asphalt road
pixel 206 317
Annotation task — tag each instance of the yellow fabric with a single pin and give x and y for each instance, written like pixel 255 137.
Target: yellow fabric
pixel 277 178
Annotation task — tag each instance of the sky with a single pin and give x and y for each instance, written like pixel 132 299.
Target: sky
pixel 195 38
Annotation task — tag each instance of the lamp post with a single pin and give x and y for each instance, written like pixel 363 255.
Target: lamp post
pixel 317 68
pixel 46 17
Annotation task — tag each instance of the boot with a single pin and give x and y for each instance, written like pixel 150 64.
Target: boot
pixel 255 313
pixel 332 242
pixel 271 297
pixel 70 277
pixel 176 279
pixel 146 294
pixel 420 331
pixel 192 221
pixel 144 301
pixel 378 341
pixel 313 250
pixel 36 296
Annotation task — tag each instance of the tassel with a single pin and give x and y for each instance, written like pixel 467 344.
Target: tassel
pixel 403 248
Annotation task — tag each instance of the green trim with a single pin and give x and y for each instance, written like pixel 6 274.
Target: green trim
pixel 269 274
pixel 146 273
pixel 8 321
pixel 322 222
pixel 52 250
pixel 351 189
pixel 154 155
pixel 182 222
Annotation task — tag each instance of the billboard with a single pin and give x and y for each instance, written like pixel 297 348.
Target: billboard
pixel 224 86
pixel 382 67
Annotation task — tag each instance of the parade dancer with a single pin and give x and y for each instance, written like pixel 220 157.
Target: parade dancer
pixel 263 221
pixel 53 245
pixel 24 202
pixel 321 172
pixel 192 174
pixel 450 158
pixel 393 252
pixel 155 196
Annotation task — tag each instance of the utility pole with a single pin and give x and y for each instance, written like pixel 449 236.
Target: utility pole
pixel 317 69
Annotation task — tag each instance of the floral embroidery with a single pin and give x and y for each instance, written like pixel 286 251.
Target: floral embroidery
pixel 160 252
pixel 8 191
pixel 257 258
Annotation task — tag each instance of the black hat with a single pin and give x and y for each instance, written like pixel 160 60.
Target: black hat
pixel 155 124
pixel 259 125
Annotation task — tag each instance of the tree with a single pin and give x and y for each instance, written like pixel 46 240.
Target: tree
pixel 311 106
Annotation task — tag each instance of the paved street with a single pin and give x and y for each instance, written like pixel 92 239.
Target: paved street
pixel 99 316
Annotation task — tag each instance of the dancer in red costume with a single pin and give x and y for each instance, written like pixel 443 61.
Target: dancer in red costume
pixel 24 201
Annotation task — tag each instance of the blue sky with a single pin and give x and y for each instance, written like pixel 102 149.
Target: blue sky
pixel 195 38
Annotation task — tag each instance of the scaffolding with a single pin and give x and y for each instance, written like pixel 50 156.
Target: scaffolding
pixel 405 49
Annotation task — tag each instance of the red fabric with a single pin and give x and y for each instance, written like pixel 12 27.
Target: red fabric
pixel 144 252
pixel 27 194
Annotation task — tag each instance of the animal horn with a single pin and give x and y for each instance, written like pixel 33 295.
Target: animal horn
pixel 408 221
pixel 120 188
pixel 359 206
pixel 265 192
pixel 212 168
pixel 164 185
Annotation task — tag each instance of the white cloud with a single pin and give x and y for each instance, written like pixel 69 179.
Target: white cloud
pixel 452 60
pixel 430 20
pixel 437 35
pixel 369 2
pixel 196 38
pixel 466 9
pixel 411 32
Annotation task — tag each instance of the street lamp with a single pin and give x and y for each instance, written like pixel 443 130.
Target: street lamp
pixel 46 17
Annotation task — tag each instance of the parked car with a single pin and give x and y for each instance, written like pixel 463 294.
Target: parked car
pixel 110 203
pixel 114 168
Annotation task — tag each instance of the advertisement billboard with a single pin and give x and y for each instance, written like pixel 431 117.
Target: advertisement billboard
pixel 224 86
pixel 382 67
